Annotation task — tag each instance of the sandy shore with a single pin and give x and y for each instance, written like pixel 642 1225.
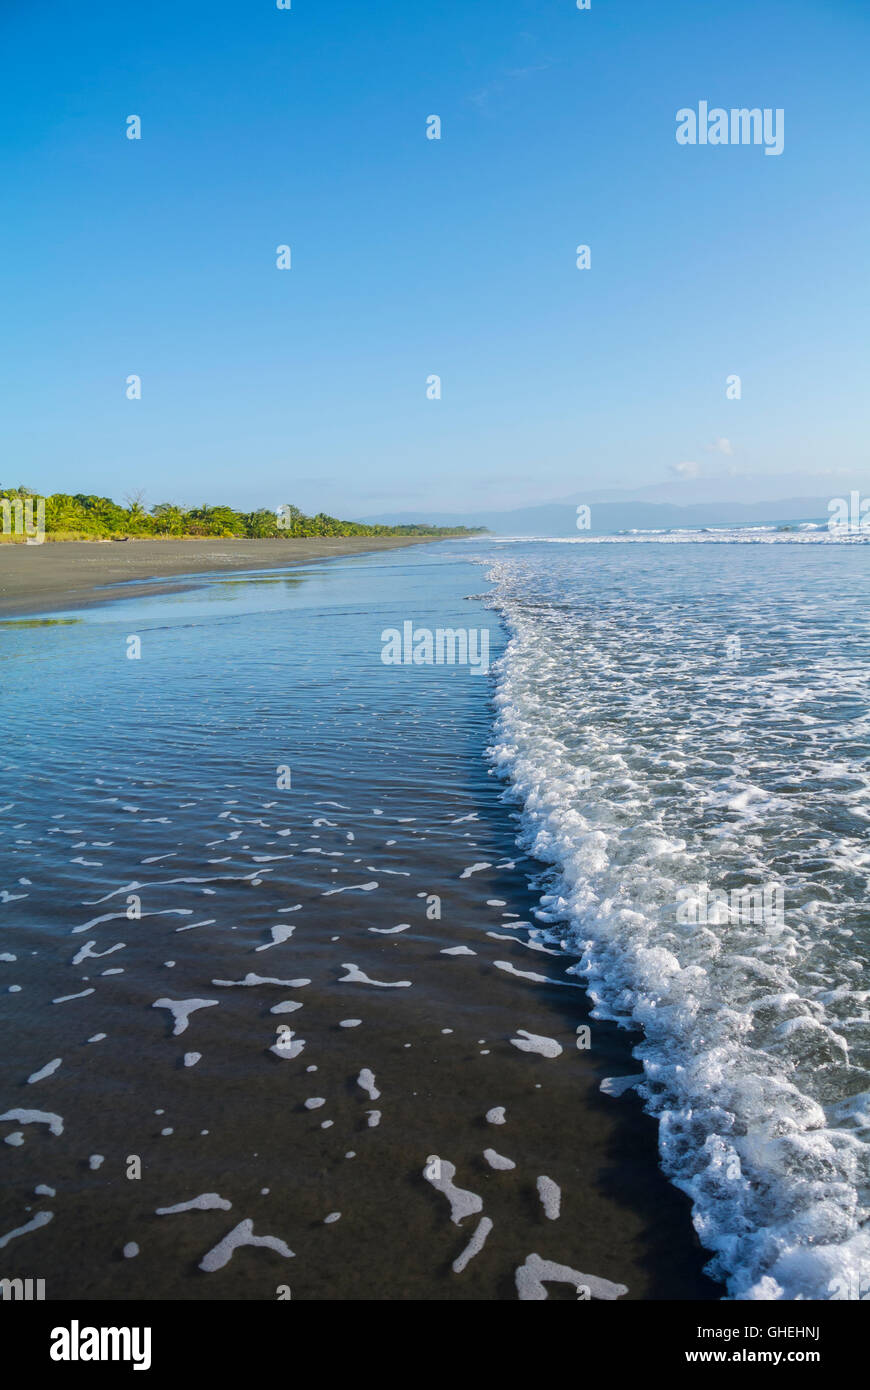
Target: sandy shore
pixel 62 575
pixel 375 912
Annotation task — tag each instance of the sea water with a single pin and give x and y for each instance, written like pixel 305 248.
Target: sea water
pixel 682 729
pixel 686 722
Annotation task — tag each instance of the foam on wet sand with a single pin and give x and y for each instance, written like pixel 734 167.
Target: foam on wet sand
pixel 534 1042
pixel 440 1172
pixel 474 1246
pixel 239 1236
pixel 536 1272
pixel 181 1009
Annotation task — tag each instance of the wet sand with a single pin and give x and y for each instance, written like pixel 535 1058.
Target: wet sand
pixel 384 886
pixel 240 1122
pixel 73 574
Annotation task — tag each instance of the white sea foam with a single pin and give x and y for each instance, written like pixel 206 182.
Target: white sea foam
pixel 35 1117
pixel 535 1042
pixel 208 1201
pixel 474 869
pixel 510 969
pixel 806 533
pixel 498 1161
pixel 34 1224
pixel 240 1235
pixel 181 1009
pixel 48 1070
pixel 359 977
pixel 366 1080
pixel 651 763
pixel 551 1197
pixel 474 1246
pixel 618 1085
pixel 532 1276
pixel 288 1045
pixel 280 934
pixel 251 979
pixel 440 1172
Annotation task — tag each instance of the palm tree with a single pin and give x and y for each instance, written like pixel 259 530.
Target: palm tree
pixel 168 519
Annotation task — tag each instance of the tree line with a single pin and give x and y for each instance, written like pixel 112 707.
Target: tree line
pixel 83 516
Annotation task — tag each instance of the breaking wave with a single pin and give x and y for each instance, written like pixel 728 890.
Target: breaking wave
pixel 654 766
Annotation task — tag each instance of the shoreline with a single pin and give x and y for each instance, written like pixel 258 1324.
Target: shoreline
pixel 77 574
pixel 386 887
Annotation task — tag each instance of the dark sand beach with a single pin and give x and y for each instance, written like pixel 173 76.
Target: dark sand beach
pixel 74 574
pixel 433 1097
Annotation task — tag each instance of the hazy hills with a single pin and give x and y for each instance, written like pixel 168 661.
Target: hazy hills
pixel 560 518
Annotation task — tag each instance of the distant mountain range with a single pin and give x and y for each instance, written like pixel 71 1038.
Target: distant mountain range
pixel 627 513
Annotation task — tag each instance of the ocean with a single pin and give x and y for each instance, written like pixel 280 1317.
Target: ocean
pixel 680 724
pixel 334 965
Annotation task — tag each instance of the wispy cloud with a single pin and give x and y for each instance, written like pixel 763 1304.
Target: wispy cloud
pixel 481 99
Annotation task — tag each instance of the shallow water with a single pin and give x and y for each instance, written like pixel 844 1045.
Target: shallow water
pixel 675 722
pixel 150 854
pixel 357 931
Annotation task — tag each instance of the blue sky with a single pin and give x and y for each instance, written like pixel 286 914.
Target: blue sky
pixel 413 257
